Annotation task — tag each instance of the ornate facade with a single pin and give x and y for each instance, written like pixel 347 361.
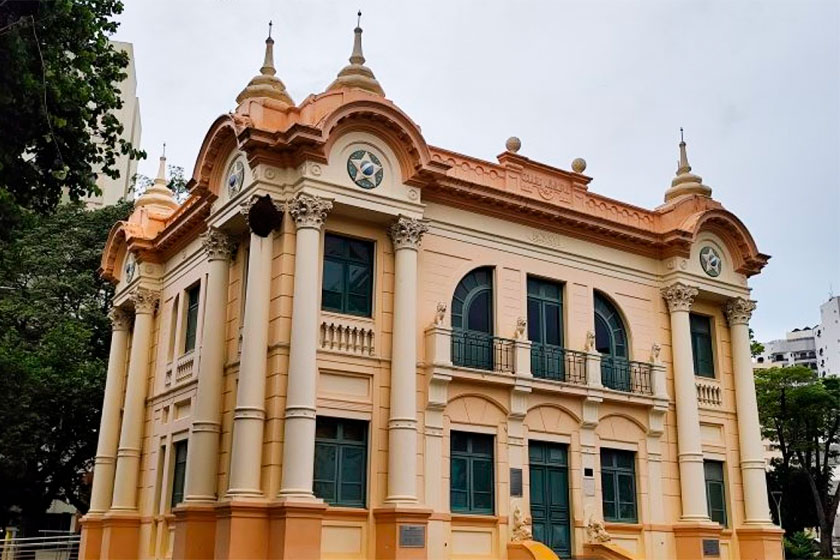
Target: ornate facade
pixel 347 343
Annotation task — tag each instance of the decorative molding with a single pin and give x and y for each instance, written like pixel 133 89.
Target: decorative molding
pixel 145 300
pixel 309 211
pixel 406 233
pixel 217 244
pixel 680 297
pixel 120 319
pixel 739 310
pixel 521 530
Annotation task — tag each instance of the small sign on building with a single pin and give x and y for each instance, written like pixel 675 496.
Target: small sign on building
pixel 711 548
pixel 515 483
pixel 412 536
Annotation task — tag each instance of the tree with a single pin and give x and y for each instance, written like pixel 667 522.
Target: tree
pixel 800 412
pixel 177 183
pixel 54 343
pixel 58 94
pixel 756 347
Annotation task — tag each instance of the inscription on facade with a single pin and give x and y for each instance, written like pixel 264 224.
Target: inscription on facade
pixel 711 548
pixel 548 188
pixel 546 239
pixel 412 536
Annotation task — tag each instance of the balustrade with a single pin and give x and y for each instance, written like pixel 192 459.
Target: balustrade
pixel 346 337
pixel 708 393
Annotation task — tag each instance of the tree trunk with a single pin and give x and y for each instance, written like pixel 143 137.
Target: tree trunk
pixel 826 528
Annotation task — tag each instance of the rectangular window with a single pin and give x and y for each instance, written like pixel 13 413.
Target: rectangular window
pixel 179 452
pixel 192 317
pixel 701 345
pixel 340 461
pixel 471 473
pixel 618 485
pixel 347 285
pixel 715 491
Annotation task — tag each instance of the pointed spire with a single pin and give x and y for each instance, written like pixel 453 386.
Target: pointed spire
pixel 356 74
pixel 266 84
pixel 158 194
pixel 685 182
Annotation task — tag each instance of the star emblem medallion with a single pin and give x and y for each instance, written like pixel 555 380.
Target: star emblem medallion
pixel 710 261
pixel 365 169
pixel 236 175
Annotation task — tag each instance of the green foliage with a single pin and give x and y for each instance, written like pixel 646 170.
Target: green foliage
pixel 177 183
pixel 800 546
pixel 54 343
pixel 800 413
pixel 58 94
pixel 756 347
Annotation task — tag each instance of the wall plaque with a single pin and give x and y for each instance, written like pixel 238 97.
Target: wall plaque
pixel 412 536
pixel 711 548
pixel 515 482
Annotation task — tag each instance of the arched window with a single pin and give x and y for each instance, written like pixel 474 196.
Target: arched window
pixel 472 302
pixel 472 320
pixel 611 342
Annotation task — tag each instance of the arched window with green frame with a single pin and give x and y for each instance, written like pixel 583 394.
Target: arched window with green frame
pixel 472 320
pixel 611 342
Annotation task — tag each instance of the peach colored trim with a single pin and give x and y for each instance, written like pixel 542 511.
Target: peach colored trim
pixel 486 520
pixel 346 513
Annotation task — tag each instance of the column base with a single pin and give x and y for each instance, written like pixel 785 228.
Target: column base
pixel 195 531
pixel 241 530
pixel 120 536
pixel 758 543
pixel 295 529
pixel 689 538
pixel 389 520
pixel 90 547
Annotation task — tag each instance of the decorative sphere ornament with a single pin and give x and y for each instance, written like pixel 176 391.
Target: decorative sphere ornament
pixel 579 165
pixel 513 144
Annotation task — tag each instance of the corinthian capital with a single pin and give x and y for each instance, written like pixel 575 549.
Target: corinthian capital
pixel 145 300
pixel 309 211
pixel 406 233
pixel 679 296
pixel 739 310
pixel 120 319
pixel 218 244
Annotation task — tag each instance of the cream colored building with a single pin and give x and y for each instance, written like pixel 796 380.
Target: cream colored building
pixel 348 343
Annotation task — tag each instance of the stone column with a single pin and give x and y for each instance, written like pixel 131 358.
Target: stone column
pixel 756 505
pixel 131 432
pixel 680 298
pixel 249 413
pixel 406 234
pixel 203 450
pixel 309 213
pixel 109 426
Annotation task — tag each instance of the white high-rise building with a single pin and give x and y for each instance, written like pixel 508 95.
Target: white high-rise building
pixel 129 115
pixel 827 338
pixel 798 348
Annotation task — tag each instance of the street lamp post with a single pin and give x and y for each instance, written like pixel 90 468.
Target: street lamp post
pixel 777 497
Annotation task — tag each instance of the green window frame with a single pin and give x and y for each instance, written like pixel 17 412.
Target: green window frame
pixel 701 345
pixel 347 282
pixel 471 476
pixel 618 485
pixel 179 472
pixel 340 473
pixel 545 328
pixel 193 294
pixel 715 491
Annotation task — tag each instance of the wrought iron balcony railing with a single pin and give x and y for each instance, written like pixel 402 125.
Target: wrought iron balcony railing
pixel 622 374
pixel 478 350
pixel 558 364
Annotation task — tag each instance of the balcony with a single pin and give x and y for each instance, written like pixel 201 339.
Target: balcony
pixel 558 364
pixel 477 350
pixel 347 335
pixel 621 374
pixel 708 393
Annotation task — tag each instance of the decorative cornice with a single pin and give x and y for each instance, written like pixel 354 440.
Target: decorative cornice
pixel 406 233
pixel 309 211
pixel 120 319
pixel 145 300
pixel 739 310
pixel 217 244
pixel 679 296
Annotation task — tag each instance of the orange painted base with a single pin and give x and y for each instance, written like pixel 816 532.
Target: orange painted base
pixel 120 536
pixel 295 530
pixel 241 531
pixel 388 521
pixel 529 550
pixel 195 531
pixel 689 537
pixel 760 543
pixel 91 545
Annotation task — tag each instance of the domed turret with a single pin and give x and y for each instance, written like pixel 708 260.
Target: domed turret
pixel 356 74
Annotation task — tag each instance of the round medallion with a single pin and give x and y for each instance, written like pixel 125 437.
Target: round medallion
pixel 710 261
pixel 365 169
pixel 130 267
pixel 235 177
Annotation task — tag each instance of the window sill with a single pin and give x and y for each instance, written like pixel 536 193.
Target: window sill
pixel 474 519
pixel 346 512
pixel 336 315
pixel 634 526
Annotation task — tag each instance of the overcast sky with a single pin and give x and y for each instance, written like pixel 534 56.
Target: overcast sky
pixel 755 84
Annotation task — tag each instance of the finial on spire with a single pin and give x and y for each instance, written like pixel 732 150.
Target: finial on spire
pixel 683 166
pixel 682 139
pixel 164 149
pixel 685 182
pixel 356 74
pixel 157 196
pixel 161 176
pixel 266 84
